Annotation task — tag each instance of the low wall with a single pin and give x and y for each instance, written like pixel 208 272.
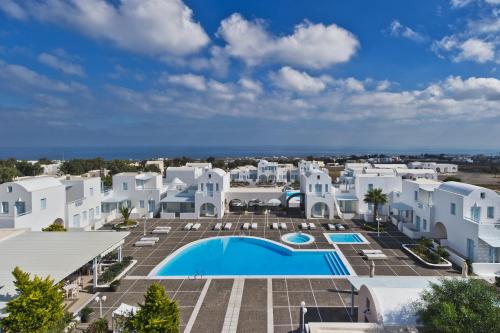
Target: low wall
pixel 486 269
pixel 186 216
pixel 165 215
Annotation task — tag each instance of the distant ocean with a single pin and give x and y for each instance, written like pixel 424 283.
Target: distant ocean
pixel 137 153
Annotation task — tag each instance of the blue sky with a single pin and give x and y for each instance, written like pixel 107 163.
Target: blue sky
pixel 388 74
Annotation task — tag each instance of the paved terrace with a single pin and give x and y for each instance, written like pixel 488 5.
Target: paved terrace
pixel 258 305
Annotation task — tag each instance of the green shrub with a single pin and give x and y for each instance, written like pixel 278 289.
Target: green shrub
pixel 98 326
pixel 114 285
pixel 85 314
pixel 115 269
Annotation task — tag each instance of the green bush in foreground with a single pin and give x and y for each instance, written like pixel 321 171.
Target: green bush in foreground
pixel 456 306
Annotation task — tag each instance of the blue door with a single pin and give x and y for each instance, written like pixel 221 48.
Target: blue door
pixel 151 206
pixel 20 207
pixel 475 213
pixel 417 223
pixel 470 249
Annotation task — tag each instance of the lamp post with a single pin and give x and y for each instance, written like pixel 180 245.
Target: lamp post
pixel 144 224
pixel 378 225
pixel 100 300
pixel 303 309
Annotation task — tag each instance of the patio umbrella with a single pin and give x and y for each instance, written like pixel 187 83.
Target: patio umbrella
pixel 274 202
pixel 372 268
pixel 465 269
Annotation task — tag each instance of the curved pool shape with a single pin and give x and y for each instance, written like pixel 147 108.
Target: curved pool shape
pixel 346 238
pixel 297 238
pixel 248 256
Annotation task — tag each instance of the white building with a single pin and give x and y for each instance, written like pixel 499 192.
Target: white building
pixel 318 195
pixel 142 191
pixel 33 203
pixel 51 169
pixel 246 173
pixel 438 167
pixel 467 220
pixel 406 173
pixel 412 209
pixel 272 172
pixel 210 197
pixel 159 164
pixel 188 174
pixel 84 198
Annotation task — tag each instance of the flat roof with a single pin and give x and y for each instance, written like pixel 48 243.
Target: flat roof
pixel 38 183
pixel 54 254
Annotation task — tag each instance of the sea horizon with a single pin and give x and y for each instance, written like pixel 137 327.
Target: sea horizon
pixel 202 152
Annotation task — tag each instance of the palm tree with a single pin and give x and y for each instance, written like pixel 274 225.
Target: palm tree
pixel 375 197
pixel 126 211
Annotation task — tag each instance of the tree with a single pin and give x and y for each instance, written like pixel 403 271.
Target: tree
pixel 151 168
pixel 7 174
pixel 158 314
pixel 55 227
pixel 38 306
pixel 377 198
pixel 452 179
pixel 126 211
pixel 455 306
pixel 98 326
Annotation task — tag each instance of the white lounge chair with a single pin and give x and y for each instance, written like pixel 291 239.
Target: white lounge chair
pixel 375 256
pixel 339 226
pixel 274 226
pixel 160 231
pixel 303 225
pixel 246 226
pixel 228 226
pixel 154 239
pixel 188 226
pixel 142 243
pixel 254 226
pixel 196 226
pixel 283 226
pixel 163 227
pixel 365 252
pixel 312 226
pixel 218 226
pixel 331 227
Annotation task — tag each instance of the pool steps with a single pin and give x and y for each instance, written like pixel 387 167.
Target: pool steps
pixel 336 267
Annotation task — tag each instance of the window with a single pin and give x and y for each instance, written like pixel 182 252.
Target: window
pixel 490 212
pixel 416 195
pixel 91 191
pixel 98 211
pixel 217 187
pixel 5 207
pixel 483 195
pixel 326 188
pixel 310 188
pixel 202 187
pixel 318 188
pixel 43 203
pixel 84 215
pixel 125 186
pixel 9 189
pixel 424 225
pixel 76 220
pixel 370 187
pixel 453 209
pixel 141 203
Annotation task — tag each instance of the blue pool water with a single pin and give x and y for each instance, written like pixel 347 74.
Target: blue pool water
pixel 297 238
pixel 346 238
pixel 235 256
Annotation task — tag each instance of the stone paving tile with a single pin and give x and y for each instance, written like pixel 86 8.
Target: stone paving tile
pixel 253 311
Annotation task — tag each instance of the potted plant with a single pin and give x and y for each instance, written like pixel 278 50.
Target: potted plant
pixel 113 286
pixel 85 314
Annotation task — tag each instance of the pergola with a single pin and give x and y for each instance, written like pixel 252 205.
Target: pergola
pixel 54 254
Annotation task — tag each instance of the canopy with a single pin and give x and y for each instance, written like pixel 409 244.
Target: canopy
pixel 274 202
pixel 401 206
pixel 125 310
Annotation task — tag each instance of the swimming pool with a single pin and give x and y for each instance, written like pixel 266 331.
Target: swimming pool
pixel 297 238
pixel 346 238
pixel 232 256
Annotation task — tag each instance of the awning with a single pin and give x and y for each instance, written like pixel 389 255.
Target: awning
pixel 274 202
pixel 114 199
pixel 143 177
pixel 346 197
pixel 125 310
pixel 177 199
pixel 492 241
pixel 401 206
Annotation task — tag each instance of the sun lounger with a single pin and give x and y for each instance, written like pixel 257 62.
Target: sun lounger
pixel 160 231
pixel 154 239
pixel 304 225
pixel 142 243
pixel 228 226
pixel 196 226
pixel 283 226
pixel 339 226
pixel 312 226
pixel 245 226
pixel 375 256
pixel 188 226
pixel 274 226
pixel 163 227
pixel 331 227
pixel 254 226
pixel 218 226
pixel 365 252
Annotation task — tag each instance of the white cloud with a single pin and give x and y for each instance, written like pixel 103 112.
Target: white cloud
pixel 60 64
pixel 476 50
pixel 396 29
pixel 13 9
pixel 460 3
pixel 21 76
pixel 383 85
pixel 191 81
pixel 143 26
pixel 310 45
pixel 291 79
pixel 251 85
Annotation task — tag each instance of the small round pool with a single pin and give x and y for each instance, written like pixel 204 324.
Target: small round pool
pixel 297 238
